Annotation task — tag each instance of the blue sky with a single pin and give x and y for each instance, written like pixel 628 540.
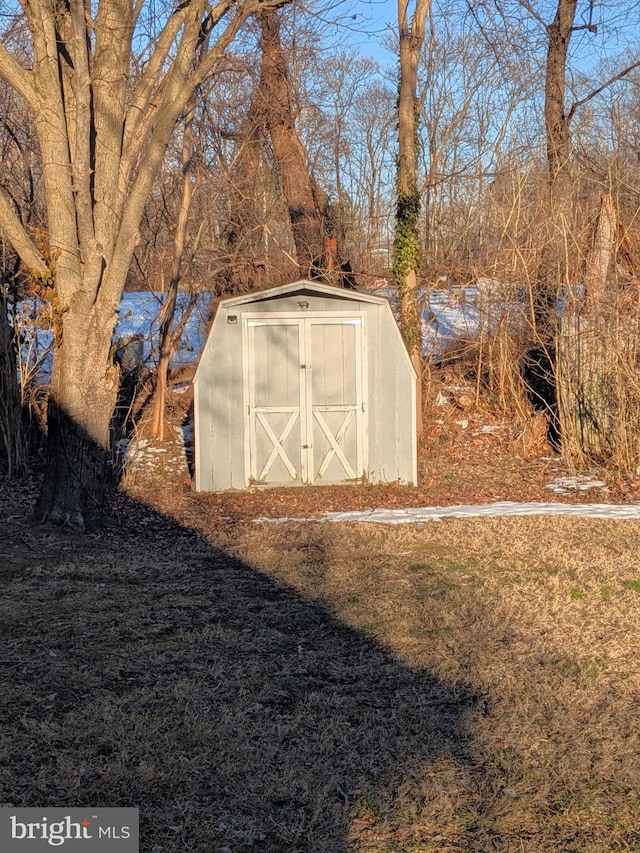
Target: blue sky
pixel 364 23
pixel 617 25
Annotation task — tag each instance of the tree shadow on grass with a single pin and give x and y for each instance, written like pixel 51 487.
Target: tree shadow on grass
pixel 144 667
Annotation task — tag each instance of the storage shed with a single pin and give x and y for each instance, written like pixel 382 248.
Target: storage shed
pixel 304 384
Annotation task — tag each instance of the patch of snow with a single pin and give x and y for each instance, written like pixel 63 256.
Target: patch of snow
pixel 420 515
pixel 465 314
pixel 186 430
pixel 138 312
pixel 580 483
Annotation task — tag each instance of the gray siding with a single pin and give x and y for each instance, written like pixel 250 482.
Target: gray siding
pixel 392 393
pixel 218 434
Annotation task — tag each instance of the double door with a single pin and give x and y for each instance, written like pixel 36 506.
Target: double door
pixel 304 392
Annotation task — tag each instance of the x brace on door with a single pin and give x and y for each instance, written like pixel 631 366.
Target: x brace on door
pixel 335 441
pixel 278 449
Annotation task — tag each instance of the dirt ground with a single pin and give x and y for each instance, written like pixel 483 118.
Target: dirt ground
pixel 469 455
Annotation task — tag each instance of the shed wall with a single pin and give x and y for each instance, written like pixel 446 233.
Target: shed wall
pixel 392 449
pixel 218 403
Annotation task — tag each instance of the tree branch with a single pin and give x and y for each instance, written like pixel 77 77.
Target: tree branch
pixel 81 83
pixel 17 77
pixel 110 73
pixel 415 29
pixel 150 98
pixel 534 13
pixel 17 235
pixel 55 120
pixel 600 89
pixel 152 119
pixel 140 115
pixel 250 8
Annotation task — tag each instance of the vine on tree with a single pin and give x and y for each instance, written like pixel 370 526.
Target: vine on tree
pixel 407 257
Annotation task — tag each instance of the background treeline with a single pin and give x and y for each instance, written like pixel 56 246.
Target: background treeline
pixel 285 164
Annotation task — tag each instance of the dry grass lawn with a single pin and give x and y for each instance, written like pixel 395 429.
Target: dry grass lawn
pixel 468 685
pixel 536 622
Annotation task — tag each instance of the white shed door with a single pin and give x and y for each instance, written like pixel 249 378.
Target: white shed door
pixel 305 406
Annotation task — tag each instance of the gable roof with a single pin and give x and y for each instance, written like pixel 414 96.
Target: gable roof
pixel 302 287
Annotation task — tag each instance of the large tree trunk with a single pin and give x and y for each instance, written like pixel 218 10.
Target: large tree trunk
pixel 407 255
pixel 82 399
pixel 540 361
pixel 72 490
pixel 305 200
pixel 597 281
pixel 557 118
pixel 596 351
pixel 245 231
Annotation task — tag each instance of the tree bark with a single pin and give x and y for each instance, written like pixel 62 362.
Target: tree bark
pixel 246 241
pixel 407 254
pixel 304 198
pixel 72 490
pixel 167 337
pixel 598 290
pixel 557 118
pixel 82 398
pixel 596 351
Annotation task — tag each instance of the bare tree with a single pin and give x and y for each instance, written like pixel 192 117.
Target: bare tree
pixel 351 139
pixel 557 266
pixel 19 183
pixel 407 242
pixel 305 199
pixel 103 130
pixel 167 335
